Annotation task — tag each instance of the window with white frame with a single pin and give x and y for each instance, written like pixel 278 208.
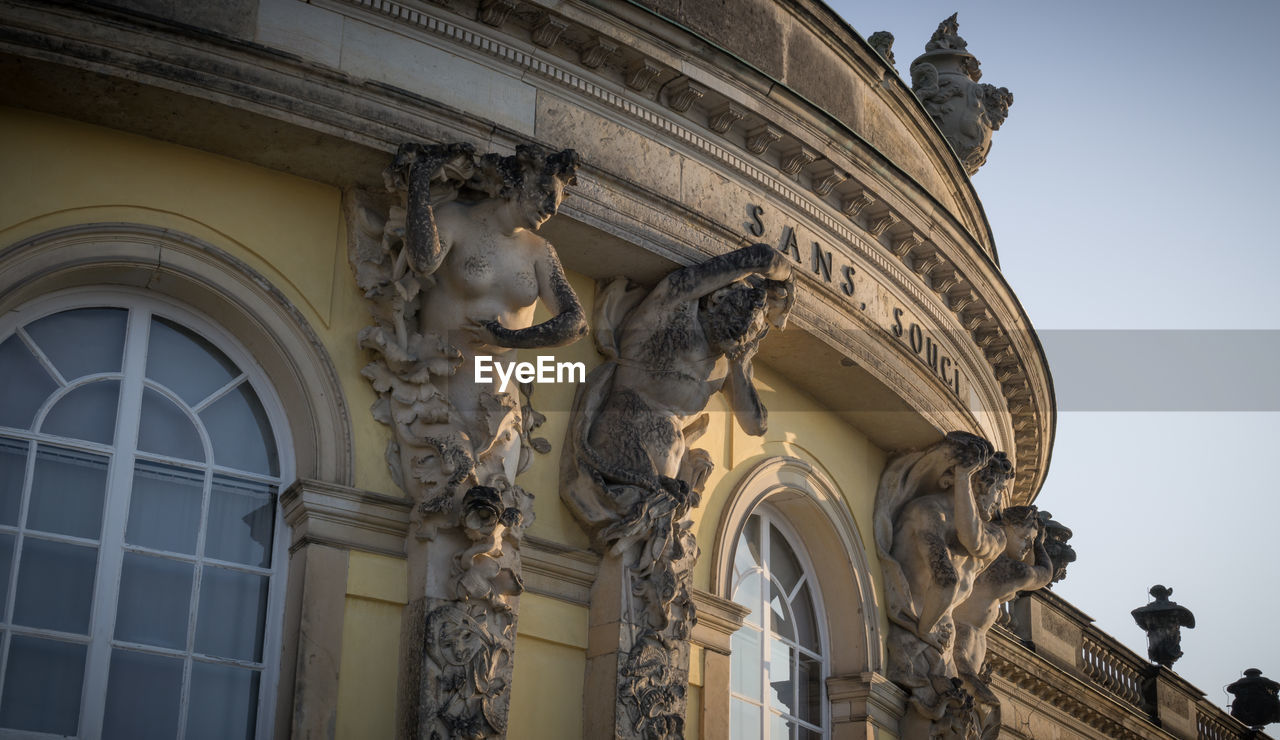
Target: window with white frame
pixel 139 472
pixel 778 666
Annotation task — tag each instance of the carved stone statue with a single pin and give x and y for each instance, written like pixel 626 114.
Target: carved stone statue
pixel 1163 621
pixel 452 270
pixel 1009 574
pixel 628 473
pixel 1056 535
pixel 935 535
pixel 945 79
pixel 882 42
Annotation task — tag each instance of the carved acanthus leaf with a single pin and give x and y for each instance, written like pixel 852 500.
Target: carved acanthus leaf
pixel 724 116
pixel 855 203
pixel 547 30
pixel 902 245
pixel 882 223
pixel 761 137
pixel 494 12
pixel 641 72
pixel 944 279
pixel 826 176
pixel 795 159
pixel 682 93
pixel 597 51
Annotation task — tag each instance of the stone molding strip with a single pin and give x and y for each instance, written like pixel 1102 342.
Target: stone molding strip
pixel 345 517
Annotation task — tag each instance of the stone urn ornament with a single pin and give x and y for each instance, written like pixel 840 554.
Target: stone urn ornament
pixel 1163 621
pixel 1257 699
pixel 945 80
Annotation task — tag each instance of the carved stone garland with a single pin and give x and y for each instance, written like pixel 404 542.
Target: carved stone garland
pixel 456 445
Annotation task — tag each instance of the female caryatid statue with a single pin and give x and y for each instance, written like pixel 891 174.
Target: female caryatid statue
pixel 456 275
pixel 453 271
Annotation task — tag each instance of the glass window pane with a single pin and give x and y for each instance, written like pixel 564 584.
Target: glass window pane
pixel 748 594
pixel 13 471
pixel 241 521
pixel 780 613
pixel 88 412
pixel 82 341
pixel 783 564
pixel 26 384
pixel 233 609
pixel 744 720
pixel 143 695
pixel 746 664
pixel 55 585
pixel 155 601
pixel 6 567
pixel 779 727
pixel 809 683
pixel 224 702
pixel 747 554
pixel 67 492
pixel 164 508
pixel 805 624
pixel 47 696
pixel 781 687
pixel 166 430
pixel 241 435
pixel 185 363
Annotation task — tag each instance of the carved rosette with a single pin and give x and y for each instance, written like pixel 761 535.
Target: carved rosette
pixel 945 80
pixel 468 518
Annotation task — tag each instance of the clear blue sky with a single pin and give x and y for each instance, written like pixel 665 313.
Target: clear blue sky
pixel 1134 187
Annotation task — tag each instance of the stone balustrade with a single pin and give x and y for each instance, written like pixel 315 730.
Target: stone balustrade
pixel 1146 700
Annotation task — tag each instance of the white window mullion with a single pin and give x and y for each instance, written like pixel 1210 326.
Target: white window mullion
pixel 115 514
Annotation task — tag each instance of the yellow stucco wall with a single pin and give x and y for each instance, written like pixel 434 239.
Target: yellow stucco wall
pixel 60 173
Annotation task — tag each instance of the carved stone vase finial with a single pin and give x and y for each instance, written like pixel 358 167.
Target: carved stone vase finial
pixel 1163 621
pixel 451 269
pixel 1257 699
pixel 945 79
pixel 630 477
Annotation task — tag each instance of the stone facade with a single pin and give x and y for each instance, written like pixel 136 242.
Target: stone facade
pixel 367 196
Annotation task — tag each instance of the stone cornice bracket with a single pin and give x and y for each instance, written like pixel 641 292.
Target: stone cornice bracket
pixel 826 175
pixel 494 12
pixel 723 116
pixel 762 137
pixel 877 225
pixel 902 245
pixel 345 517
pixel 796 159
pixel 855 203
pixel 944 279
pixel 960 297
pixel 975 316
pixel 924 259
pixel 547 30
pixel 682 93
pixel 596 51
pixel 641 72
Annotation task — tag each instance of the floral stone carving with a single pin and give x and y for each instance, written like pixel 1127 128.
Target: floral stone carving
pixel 452 270
pixel 945 79
pixel 628 473
pixel 952 554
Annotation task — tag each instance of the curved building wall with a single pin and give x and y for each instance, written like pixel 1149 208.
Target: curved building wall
pixel 239 137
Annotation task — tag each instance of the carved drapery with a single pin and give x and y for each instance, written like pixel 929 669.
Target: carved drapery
pixel 451 269
pixel 952 554
pixel 630 477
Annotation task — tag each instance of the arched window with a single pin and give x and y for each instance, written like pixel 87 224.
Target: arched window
pixel 140 464
pixel 778 665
